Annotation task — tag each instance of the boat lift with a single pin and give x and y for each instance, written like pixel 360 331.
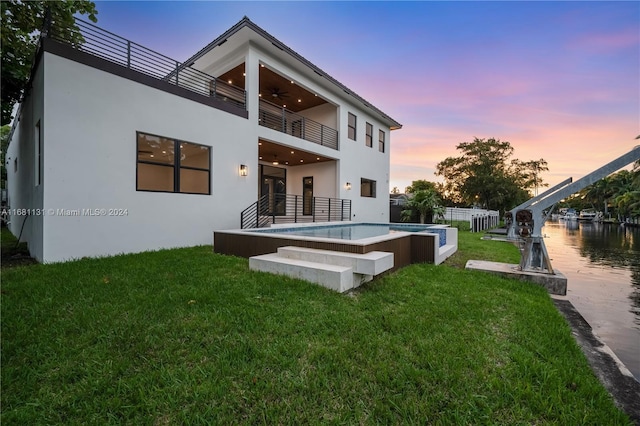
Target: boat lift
pixel 525 222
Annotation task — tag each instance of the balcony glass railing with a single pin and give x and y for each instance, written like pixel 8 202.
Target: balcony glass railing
pixel 281 119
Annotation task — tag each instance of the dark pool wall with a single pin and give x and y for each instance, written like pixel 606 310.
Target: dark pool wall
pixel 407 249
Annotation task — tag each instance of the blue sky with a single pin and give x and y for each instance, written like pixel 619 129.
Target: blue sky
pixel 559 80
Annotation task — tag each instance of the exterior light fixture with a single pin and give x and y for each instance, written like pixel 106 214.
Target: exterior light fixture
pixel 348 186
pixel 275 160
pixel 244 170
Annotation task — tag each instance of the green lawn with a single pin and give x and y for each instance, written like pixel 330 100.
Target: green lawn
pixel 190 337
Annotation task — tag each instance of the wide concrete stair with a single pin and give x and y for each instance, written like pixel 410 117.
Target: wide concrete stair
pixel 336 270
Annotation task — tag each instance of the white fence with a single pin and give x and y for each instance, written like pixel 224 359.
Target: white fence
pixel 479 219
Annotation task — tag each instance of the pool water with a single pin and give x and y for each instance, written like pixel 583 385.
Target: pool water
pixel 356 231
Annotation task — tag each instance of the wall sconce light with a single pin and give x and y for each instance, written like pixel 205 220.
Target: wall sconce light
pixel 348 186
pixel 244 170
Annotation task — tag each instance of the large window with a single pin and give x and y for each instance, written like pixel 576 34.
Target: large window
pixel 367 188
pixel 369 138
pixel 380 141
pixel 170 165
pixel 352 127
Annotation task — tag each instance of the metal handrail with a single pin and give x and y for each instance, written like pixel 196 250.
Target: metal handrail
pixel 119 50
pixel 283 120
pixel 288 208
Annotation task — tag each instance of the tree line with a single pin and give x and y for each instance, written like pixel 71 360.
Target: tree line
pixel 486 175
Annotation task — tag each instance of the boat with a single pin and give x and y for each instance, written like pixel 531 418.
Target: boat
pixel 569 214
pixel 589 215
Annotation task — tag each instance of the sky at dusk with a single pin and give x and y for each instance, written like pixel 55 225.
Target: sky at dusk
pixel 558 80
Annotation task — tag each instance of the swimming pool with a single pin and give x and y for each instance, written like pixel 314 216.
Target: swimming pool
pixel 357 231
pixel 410 243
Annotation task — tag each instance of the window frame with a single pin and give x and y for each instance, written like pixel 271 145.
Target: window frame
pixel 175 165
pixel 350 127
pixel 372 183
pixel 368 139
pixel 381 140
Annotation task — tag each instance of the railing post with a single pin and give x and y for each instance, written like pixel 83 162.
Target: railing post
pixel 128 53
pixel 322 134
pixel 215 89
pixel 46 25
pixel 313 208
pixel 258 210
pixel 304 128
pixel 284 122
pixel 329 211
pixel 241 220
pixel 295 211
pixel 342 210
pixel 177 71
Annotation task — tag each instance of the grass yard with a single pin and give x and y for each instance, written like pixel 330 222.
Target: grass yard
pixel 190 337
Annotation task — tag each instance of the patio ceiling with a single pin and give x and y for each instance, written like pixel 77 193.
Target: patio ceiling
pixel 286 156
pixel 276 89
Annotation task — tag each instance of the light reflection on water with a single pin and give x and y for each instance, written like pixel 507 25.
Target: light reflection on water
pixel 602 265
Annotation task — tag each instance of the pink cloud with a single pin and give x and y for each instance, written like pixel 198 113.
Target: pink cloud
pixel 598 42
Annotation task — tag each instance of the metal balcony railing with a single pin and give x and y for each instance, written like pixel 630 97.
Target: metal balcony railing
pixel 281 119
pixel 285 208
pixel 111 47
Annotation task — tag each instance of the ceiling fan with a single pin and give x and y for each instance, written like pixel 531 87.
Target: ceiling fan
pixel 277 93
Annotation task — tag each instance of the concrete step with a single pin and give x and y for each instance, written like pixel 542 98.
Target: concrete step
pixel 338 278
pixel 368 264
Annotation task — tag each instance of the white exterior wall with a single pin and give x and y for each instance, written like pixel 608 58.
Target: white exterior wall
pixel 324 114
pixel 324 179
pixel 23 193
pixel 360 161
pixel 91 156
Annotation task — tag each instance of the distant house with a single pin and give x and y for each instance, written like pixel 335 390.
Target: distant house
pixel 117 148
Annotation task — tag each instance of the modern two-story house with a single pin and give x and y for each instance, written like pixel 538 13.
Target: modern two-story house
pixel 119 149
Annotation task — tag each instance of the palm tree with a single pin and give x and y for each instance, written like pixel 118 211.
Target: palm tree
pixel 600 192
pixel 424 201
pixel 624 192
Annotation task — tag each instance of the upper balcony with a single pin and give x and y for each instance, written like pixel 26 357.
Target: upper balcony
pixel 283 120
pixel 288 107
pixel 131 56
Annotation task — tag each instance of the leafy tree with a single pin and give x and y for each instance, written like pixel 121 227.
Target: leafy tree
pixel 22 22
pixel 620 191
pixel 529 172
pixel 484 176
pixel 599 193
pixel 426 202
pixel 420 185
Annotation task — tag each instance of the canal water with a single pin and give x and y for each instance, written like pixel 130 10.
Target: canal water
pixel 602 266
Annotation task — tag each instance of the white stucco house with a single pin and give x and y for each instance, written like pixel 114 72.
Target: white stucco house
pixel 119 149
